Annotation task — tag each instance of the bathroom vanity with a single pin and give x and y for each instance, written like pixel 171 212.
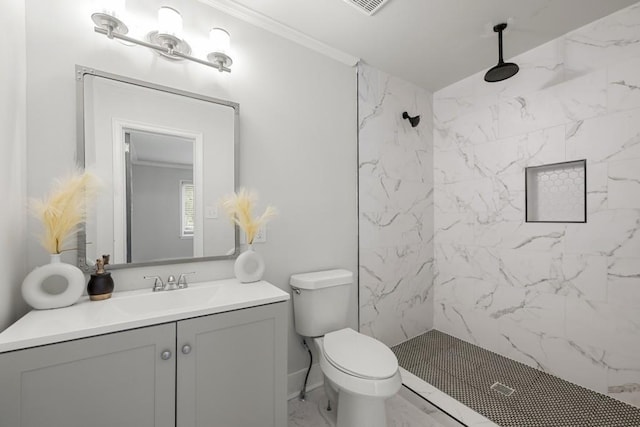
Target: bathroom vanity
pixel 214 354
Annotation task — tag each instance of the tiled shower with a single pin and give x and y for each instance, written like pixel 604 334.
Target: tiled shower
pixel 443 238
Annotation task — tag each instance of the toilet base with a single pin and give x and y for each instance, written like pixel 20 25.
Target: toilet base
pixel 360 411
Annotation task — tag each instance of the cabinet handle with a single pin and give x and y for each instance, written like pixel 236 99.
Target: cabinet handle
pixel 165 355
pixel 186 349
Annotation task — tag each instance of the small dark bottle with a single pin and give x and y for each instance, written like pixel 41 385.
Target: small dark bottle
pixel 100 285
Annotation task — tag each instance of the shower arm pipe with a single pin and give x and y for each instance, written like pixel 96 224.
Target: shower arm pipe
pixel 500 56
pixel 163 49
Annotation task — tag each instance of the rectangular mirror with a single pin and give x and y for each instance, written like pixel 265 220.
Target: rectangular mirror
pixel 165 158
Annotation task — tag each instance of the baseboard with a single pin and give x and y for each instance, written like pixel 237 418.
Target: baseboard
pixel 296 379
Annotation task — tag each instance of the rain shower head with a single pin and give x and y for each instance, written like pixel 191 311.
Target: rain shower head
pixel 503 70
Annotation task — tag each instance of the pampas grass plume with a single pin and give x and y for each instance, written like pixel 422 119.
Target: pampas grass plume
pixel 64 209
pixel 239 207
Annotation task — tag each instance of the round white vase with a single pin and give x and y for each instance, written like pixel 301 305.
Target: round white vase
pixel 249 266
pixel 35 295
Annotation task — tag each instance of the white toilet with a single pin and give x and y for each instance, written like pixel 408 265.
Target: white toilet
pixel 359 370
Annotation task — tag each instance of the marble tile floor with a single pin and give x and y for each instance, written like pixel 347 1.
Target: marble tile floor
pixel 403 410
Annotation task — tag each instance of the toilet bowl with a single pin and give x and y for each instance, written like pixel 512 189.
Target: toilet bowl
pixel 362 372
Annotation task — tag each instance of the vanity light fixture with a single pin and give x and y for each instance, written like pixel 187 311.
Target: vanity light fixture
pixel 221 43
pixel 167 39
pixel 169 34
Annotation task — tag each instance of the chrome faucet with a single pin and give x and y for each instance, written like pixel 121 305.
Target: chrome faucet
pixel 182 280
pixel 172 283
pixel 158 284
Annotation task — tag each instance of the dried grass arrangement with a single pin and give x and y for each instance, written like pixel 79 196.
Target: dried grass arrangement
pixel 64 209
pixel 239 207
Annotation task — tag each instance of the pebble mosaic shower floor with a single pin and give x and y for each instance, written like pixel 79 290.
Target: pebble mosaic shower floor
pixel 467 373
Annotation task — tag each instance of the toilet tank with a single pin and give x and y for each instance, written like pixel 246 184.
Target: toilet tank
pixel 321 301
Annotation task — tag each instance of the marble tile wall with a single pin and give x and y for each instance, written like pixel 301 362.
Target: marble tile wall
pixel 395 207
pixel 564 298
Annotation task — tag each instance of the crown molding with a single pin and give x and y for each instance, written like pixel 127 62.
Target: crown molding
pixel 259 20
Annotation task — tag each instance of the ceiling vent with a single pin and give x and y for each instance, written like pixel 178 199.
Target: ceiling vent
pixel 367 6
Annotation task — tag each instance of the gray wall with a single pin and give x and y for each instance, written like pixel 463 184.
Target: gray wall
pixel 155 221
pixel 12 161
pixel 298 130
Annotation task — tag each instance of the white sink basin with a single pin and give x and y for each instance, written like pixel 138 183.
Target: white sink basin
pixel 166 301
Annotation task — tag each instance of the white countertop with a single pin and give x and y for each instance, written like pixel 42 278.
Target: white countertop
pixel 134 309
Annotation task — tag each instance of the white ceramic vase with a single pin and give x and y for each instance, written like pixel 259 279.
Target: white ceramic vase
pixel 35 295
pixel 249 266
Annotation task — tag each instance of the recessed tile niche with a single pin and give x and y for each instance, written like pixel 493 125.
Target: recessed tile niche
pixel 557 192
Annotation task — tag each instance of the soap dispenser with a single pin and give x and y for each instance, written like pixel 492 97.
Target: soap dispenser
pixel 100 285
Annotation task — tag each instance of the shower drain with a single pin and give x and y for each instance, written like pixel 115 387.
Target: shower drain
pixel 503 389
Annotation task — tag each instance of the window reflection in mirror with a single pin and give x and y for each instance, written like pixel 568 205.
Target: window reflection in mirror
pixel 186 208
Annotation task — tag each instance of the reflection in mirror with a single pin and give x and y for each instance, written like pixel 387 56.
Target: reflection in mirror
pixel 159 192
pixel 166 157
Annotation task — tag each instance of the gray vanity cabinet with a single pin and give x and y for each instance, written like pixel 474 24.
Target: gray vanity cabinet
pixel 232 369
pixel 109 380
pixel 220 370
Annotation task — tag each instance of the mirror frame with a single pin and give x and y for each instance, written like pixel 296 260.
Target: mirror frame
pixel 80 73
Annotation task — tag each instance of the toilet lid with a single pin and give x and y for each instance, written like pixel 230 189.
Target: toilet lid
pixel 359 355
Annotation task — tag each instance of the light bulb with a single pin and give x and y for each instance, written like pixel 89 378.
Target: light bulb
pixel 220 40
pixel 113 8
pixel 169 21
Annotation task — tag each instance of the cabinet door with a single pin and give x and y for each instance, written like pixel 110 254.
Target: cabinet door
pixel 110 380
pixel 235 372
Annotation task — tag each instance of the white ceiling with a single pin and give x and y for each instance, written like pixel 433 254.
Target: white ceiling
pixel 434 43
